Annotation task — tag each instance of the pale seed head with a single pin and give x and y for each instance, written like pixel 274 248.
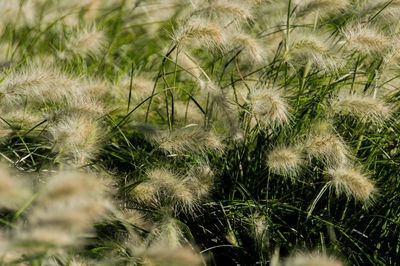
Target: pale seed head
pixel 269 107
pixel 352 182
pixel 203 32
pixel 87 41
pixel 368 108
pixel 188 139
pixel 367 40
pixel 286 161
pixel 312 259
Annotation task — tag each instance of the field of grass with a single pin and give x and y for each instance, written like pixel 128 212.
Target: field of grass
pixel 199 132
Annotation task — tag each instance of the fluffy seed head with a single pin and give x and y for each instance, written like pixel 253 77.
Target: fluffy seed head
pixel 76 137
pixel 314 48
pixel 323 145
pixel 204 32
pixel 224 111
pixel 188 139
pixel 136 218
pixel 69 185
pixel 367 40
pixel 286 161
pixel 328 148
pixel 352 182
pixel 90 106
pixel 64 210
pixel 366 107
pixel 46 88
pixel 85 42
pixel 168 232
pixel 13 190
pixel 312 259
pixel 19 14
pixel 144 192
pixel 225 11
pixel 188 63
pixel 174 187
pixel 43 238
pixel 163 185
pixel 21 118
pixel 269 107
pixel 251 50
pixel 200 180
pixel 184 196
pixel 321 7
pixel 36 84
pixel 379 12
pixel 165 255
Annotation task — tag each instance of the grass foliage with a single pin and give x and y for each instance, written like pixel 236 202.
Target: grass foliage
pixel 202 132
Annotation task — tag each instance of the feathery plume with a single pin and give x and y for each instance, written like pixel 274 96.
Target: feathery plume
pixel 188 63
pixel 136 218
pixel 19 14
pixel 89 106
pixel 225 112
pixel 203 32
pixel 150 14
pixel 165 255
pixel 63 11
pixel 21 119
pixel 84 42
pixel 314 48
pixel 352 182
pixel 367 40
pixel 64 211
pixel 320 7
pixel 168 231
pixel 76 137
pixel 251 50
pixel 163 178
pixel 44 238
pixel 311 259
pixel 269 107
pixel 174 187
pixel 70 185
pixel 90 9
pixel 381 12
pixel 40 85
pixel 162 184
pixel 145 192
pixel 13 190
pixel 94 88
pixel 366 107
pixel 224 10
pixel 191 138
pixel 208 87
pixel 200 179
pixel 286 161
pixel 325 146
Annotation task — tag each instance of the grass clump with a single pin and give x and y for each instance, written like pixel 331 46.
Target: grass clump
pixel 205 132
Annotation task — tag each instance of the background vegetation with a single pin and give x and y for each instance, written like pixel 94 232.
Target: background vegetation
pixel 199 132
